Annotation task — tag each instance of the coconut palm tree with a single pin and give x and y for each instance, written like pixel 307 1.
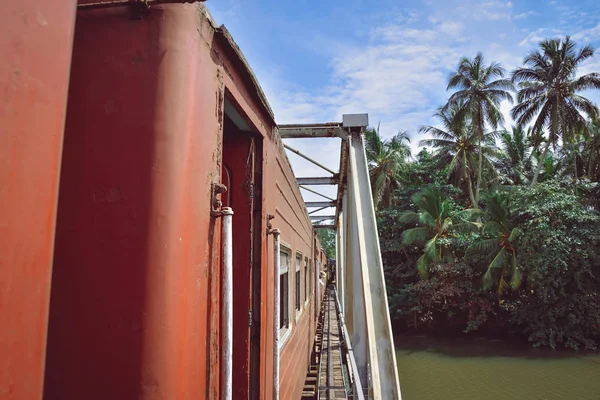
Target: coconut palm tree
pixel 385 159
pixel 551 166
pixel 573 157
pixel 455 145
pixel 591 151
pixel 548 92
pixel 515 157
pixel 481 93
pixel 436 226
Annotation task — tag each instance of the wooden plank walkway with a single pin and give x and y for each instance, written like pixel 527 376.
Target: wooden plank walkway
pixel 325 378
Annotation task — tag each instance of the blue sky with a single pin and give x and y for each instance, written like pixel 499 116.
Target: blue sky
pixel 319 59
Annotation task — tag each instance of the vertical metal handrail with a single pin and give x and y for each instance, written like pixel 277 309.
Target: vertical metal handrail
pixel 227 344
pixel 276 305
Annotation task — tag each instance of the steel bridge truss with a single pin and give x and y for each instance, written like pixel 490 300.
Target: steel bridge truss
pixel 364 314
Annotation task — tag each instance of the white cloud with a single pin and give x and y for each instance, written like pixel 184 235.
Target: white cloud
pixel 491 10
pixel 495 11
pixel 505 107
pixel 588 34
pixel 451 27
pixel 534 37
pixel 394 78
pixel 525 14
pixel 408 17
pixel 589 65
pixel 399 78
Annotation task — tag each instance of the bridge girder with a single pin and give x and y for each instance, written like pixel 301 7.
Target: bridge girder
pixel 359 268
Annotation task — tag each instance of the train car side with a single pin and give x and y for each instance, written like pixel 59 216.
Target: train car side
pixel 300 260
pixel 35 49
pixel 160 109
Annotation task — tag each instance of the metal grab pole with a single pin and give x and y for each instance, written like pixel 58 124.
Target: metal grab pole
pixel 276 306
pixel 227 338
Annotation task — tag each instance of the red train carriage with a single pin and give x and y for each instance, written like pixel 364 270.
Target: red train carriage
pixel 161 107
pixel 35 55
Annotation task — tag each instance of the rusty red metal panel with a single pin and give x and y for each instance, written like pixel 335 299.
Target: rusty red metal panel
pixel 296 230
pixel 295 359
pixel 135 262
pixel 35 48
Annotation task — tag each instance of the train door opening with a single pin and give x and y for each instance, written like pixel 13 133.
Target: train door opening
pixel 241 173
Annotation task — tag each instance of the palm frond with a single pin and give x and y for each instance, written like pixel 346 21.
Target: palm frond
pixel 499 261
pixel 429 201
pixel 585 82
pixel 431 251
pixel 468 214
pixel 514 234
pixel 502 285
pixel 466 227
pixel 493 227
pixel 408 217
pixel 484 247
pixel 487 280
pixel 412 235
pixel 517 276
pixel 422 264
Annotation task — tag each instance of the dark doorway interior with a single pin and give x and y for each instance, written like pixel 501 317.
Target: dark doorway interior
pixel 242 163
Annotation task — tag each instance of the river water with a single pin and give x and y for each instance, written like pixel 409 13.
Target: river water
pixel 473 369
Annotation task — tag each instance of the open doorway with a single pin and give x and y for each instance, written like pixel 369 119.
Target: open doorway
pixel 242 174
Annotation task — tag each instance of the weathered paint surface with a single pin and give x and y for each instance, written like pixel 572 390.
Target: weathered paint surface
pixel 35 49
pixel 134 254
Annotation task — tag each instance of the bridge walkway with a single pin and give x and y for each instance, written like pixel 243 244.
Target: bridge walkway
pixel 327 375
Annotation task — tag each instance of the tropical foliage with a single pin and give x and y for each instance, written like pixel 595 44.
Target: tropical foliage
pixel 498 242
pixel 385 157
pixel 481 96
pixel 437 225
pixel 548 93
pixel 498 230
pixel 456 145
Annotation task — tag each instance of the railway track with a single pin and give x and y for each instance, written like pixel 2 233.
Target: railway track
pixel 326 378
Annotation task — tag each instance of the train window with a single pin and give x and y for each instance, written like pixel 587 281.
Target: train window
pixel 310 278
pixel 284 315
pixel 297 280
pixel 306 277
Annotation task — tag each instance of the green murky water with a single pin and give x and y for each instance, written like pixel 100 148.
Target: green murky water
pixel 493 370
